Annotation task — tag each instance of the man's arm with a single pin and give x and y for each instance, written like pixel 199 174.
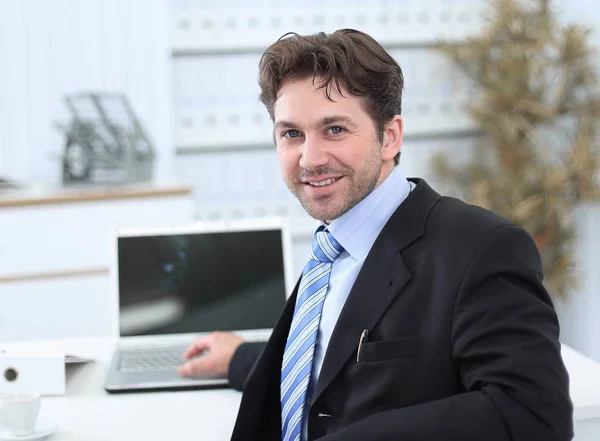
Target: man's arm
pixel 505 341
pixel 242 362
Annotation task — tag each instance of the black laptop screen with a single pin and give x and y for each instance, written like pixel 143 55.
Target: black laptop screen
pixel 200 282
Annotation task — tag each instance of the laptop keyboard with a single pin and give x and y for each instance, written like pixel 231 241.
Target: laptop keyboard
pixel 155 360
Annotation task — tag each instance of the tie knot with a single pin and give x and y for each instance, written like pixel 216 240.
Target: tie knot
pixel 324 247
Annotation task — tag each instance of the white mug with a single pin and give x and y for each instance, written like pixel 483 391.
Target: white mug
pixel 19 412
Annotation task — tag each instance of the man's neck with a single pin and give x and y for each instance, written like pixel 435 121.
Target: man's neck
pixel 383 175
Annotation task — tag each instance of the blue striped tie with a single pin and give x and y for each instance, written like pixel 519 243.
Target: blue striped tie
pixel 299 349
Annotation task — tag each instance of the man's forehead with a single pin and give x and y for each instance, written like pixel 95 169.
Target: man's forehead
pixel 315 87
pixel 313 107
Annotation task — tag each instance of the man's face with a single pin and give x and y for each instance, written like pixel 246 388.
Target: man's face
pixel 329 151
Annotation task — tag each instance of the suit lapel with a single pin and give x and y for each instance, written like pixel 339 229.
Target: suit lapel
pixel 381 280
pixel 375 288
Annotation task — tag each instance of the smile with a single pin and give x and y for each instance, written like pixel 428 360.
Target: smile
pixel 323 183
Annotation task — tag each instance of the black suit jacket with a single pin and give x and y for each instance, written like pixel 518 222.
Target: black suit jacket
pixel 242 362
pixel 463 339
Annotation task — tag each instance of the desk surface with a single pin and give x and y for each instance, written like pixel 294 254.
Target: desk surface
pixel 88 413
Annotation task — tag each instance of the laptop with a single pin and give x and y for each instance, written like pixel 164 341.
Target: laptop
pixel 177 283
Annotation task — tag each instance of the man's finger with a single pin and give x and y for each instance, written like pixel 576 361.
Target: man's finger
pixel 198 347
pixel 202 364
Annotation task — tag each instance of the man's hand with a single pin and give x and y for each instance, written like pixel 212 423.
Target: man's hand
pixel 219 348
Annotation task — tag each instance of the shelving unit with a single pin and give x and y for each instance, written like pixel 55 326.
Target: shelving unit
pixel 395 24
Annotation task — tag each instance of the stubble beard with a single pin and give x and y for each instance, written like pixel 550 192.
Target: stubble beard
pixel 335 205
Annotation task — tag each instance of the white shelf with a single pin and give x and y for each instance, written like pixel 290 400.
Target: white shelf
pixel 199 30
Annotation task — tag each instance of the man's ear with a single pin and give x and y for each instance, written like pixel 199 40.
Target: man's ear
pixel 392 138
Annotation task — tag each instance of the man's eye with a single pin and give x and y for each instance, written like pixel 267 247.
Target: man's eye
pixel 291 134
pixel 336 130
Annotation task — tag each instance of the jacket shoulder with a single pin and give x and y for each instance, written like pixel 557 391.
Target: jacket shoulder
pixel 453 220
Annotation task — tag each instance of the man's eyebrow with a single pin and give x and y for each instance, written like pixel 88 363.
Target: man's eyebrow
pixel 337 119
pixel 282 123
pixel 324 122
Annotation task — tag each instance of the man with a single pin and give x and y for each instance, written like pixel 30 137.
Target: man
pixel 417 317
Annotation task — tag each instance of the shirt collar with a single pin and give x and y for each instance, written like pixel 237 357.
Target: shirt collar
pixel 357 229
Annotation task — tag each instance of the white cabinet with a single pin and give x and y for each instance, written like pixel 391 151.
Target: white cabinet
pixel 55 253
pixel 56 307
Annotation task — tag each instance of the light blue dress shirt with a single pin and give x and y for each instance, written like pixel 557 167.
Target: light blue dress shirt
pixel 356 231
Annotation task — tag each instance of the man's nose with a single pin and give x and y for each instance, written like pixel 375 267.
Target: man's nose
pixel 313 155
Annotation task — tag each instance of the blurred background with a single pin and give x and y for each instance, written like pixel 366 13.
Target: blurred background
pixel 140 113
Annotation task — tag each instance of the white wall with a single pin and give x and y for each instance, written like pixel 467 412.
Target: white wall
pixel 50 48
pixel 580 313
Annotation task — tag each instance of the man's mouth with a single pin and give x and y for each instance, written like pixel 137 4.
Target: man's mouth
pixel 322 183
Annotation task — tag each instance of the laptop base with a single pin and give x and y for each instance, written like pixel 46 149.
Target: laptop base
pixel 169 388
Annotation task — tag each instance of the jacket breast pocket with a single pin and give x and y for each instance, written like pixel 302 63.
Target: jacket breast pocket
pixel 389 349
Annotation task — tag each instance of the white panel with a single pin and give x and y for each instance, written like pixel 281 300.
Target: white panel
pixel 3 171
pixel 161 93
pixel 391 23
pixel 137 56
pixel 63 78
pixel 302 248
pixel 216 81
pixel 38 87
pixel 113 20
pixel 586 430
pixel 88 59
pixel 14 96
pixel 4 46
pixel 56 308
pixel 417 156
pixel 578 314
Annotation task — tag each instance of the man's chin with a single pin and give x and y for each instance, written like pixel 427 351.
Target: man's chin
pixel 321 213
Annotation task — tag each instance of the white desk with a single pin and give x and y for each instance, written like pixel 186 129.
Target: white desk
pixel 88 413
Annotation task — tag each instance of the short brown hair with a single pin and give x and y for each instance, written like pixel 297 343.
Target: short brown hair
pixel 348 59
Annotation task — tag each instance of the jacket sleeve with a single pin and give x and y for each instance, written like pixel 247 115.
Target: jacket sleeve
pixel 242 362
pixel 505 341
